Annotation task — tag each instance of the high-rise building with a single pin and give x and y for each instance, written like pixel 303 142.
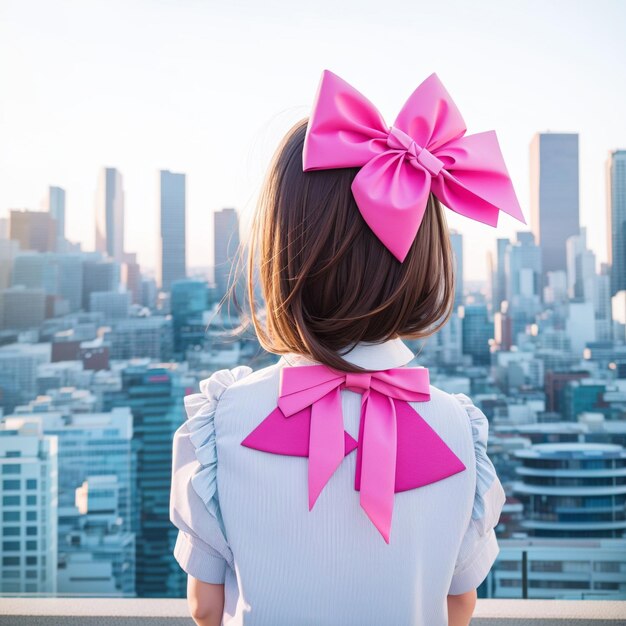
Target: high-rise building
pixel 225 246
pixel 96 557
pixel 616 218
pixel 499 277
pixel 554 197
pixel 33 230
pixel 56 208
pixel 113 305
pixel 456 239
pixel 172 242
pixel 19 363
pixel 110 214
pixel 9 250
pixel 133 337
pixel 95 454
pixel 28 492
pixel 190 299
pixel 131 276
pixel 154 393
pixel 572 490
pixel 581 267
pixel 523 281
pixel 99 275
pixel 22 308
pixel 602 303
pixel 59 275
pixel 477 331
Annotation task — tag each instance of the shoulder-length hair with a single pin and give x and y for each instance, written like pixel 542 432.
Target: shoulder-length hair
pixel 326 280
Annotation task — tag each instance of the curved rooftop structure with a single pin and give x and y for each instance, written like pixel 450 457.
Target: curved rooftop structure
pixel 572 489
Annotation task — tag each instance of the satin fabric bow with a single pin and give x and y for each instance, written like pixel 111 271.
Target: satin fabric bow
pixel 425 150
pixel 397 449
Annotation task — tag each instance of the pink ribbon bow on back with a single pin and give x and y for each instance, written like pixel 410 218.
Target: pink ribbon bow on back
pixel 425 150
pixel 397 449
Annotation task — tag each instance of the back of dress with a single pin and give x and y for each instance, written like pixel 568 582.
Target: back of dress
pixel 245 521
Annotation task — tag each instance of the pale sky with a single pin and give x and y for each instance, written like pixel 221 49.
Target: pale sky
pixel 208 88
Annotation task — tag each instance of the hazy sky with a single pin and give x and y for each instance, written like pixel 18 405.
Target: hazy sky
pixel 208 88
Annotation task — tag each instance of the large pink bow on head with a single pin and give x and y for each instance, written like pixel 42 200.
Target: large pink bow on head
pixel 397 449
pixel 425 150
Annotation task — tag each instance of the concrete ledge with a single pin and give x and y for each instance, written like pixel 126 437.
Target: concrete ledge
pixel 173 612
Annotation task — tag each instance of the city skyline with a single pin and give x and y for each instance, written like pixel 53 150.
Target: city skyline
pixel 208 126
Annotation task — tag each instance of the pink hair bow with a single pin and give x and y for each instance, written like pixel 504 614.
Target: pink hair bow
pixel 397 449
pixel 425 150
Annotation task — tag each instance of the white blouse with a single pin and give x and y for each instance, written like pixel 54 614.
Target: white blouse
pixel 244 519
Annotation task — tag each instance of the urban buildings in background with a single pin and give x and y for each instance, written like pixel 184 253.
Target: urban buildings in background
pixel 225 246
pixel 110 214
pixel 616 218
pixel 96 357
pixel 172 241
pixel 554 195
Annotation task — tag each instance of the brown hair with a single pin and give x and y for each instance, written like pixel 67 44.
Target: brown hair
pixel 326 279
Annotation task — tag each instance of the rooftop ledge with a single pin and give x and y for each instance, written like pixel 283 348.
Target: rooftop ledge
pixel 167 612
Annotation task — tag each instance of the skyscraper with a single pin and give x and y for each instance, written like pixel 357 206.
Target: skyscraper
pixel 477 331
pixel 154 393
pixel 225 245
pixel 28 464
pixel 172 234
pixel 110 214
pixel 616 218
pixel 554 195
pixel 581 267
pixel 56 208
pixel 499 278
pixel 456 239
pixel 99 275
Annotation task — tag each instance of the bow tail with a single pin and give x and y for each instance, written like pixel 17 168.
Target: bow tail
pixel 376 465
pixel 327 442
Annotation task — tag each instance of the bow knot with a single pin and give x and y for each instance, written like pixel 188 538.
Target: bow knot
pixel 425 151
pixel 396 451
pixel 358 382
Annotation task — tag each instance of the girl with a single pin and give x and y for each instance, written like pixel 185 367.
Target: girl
pixel 337 487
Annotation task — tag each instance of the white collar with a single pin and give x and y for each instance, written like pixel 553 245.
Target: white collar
pixel 371 356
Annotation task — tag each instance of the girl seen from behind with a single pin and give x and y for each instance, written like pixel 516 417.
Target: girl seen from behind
pixel 338 486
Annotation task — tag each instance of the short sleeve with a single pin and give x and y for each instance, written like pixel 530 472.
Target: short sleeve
pixel 479 547
pixel 201 548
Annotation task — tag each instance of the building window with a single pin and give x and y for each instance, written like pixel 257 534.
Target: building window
pixel 9 561
pixel 11 531
pixel 31 546
pixel 11 516
pixel 10 500
pixel 12 468
pixel 31 500
pixel 11 546
pixel 31 483
pixel 31 560
pixel 31 531
pixel 11 485
pixel 31 516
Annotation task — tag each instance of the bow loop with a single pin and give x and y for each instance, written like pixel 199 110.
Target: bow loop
pixel 426 150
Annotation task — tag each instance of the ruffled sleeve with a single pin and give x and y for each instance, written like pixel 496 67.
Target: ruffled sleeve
pixel 201 549
pixel 479 547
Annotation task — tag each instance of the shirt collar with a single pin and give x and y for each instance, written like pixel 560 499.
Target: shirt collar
pixel 372 356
